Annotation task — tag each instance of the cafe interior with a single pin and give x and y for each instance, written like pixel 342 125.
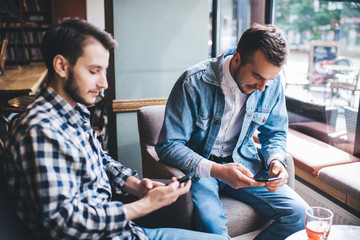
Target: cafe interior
pixel 158 40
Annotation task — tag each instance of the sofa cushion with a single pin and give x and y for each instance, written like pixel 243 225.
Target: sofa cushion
pixel 326 133
pixel 343 177
pixel 311 154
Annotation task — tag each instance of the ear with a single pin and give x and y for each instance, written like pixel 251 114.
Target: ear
pixel 60 66
pixel 236 59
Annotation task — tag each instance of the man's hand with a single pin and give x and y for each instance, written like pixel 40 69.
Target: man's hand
pixel 277 169
pixel 156 198
pixel 235 175
pixel 145 185
pixel 138 187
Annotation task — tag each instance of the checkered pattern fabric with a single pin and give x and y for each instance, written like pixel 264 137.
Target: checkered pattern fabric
pixel 61 179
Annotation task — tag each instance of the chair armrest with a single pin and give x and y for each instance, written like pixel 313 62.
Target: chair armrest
pixel 291 170
pixel 153 168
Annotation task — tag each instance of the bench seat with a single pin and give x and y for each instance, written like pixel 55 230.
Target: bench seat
pixel 346 178
pixel 329 169
pixel 342 140
pixel 311 154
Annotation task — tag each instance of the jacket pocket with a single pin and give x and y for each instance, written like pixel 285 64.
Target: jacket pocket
pixel 203 122
pixel 260 117
pixel 248 149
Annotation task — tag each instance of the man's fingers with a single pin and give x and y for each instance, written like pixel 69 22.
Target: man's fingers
pixel 147 183
pixel 245 171
pixel 276 169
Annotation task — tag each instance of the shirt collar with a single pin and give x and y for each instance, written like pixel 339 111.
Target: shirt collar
pixel 228 78
pixel 77 116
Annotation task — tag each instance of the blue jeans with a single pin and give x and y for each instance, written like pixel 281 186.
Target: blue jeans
pixel 180 234
pixel 285 207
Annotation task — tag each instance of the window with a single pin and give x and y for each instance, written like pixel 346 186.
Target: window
pixel 229 19
pixel 323 67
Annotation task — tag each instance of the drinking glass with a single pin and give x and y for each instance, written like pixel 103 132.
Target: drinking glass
pixel 318 222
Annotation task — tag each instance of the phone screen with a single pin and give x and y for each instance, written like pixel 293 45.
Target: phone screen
pixel 263 176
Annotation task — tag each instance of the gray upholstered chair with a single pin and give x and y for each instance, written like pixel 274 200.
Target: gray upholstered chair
pixel 242 218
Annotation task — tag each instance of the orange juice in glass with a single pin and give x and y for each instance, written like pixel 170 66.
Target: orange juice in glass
pixel 318 222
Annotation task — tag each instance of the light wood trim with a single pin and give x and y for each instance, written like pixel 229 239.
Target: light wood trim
pixel 132 105
pixel 316 182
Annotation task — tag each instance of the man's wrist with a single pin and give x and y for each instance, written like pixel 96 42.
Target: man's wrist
pixel 216 170
pixel 132 185
pixel 278 157
pixel 279 160
pixel 204 168
pixel 138 208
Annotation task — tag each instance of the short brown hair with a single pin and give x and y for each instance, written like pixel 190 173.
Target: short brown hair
pixel 268 38
pixel 68 39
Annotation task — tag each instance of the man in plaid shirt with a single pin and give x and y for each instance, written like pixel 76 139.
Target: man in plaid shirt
pixel 59 177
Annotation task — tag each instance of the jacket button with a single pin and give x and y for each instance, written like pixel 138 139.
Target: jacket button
pixel 216 122
pixel 206 151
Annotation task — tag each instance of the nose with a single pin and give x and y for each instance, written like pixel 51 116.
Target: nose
pixel 103 83
pixel 262 87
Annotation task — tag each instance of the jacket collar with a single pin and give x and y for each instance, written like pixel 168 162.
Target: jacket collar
pixel 213 71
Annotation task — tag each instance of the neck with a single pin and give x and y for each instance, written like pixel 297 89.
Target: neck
pixel 57 84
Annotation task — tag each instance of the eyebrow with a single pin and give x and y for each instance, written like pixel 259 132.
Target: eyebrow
pixel 94 66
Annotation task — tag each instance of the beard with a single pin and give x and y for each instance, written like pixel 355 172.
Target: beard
pixel 235 77
pixel 244 88
pixel 72 89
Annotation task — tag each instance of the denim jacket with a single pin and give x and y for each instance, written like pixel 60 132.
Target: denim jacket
pixel 193 117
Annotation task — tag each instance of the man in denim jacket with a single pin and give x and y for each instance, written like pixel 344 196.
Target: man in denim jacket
pixel 212 113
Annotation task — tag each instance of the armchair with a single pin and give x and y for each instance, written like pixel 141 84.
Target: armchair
pixel 242 218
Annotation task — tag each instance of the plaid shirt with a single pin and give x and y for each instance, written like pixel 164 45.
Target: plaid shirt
pixel 61 179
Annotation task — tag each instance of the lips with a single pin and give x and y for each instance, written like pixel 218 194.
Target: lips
pixel 95 93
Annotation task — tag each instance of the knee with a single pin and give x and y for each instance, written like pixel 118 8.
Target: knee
pixel 296 215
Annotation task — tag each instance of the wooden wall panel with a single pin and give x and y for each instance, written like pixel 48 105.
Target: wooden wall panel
pixel 68 8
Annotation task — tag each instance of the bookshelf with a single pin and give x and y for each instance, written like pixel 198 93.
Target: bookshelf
pixel 25 30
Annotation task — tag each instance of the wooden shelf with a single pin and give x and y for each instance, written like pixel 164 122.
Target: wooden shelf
pixel 25 33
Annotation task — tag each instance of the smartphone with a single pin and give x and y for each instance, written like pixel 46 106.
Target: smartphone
pixel 187 178
pixel 263 176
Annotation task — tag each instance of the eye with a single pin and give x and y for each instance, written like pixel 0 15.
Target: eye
pixel 93 72
pixel 257 76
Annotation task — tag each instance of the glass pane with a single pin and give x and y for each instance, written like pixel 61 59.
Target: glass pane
pixel 322 72
pixel 157 41
pixel 234 20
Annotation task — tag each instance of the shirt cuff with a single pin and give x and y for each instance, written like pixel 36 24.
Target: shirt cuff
pixel 204 167
pixel 279 157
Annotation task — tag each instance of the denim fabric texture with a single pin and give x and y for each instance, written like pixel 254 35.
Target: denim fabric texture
pixel 180 234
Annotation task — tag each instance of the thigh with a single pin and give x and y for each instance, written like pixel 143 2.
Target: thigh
pixel 276 205
pixel 179 234
pixel 209 214
pixel 205 194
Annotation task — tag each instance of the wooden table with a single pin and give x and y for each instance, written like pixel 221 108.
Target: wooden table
pixel 337 232
pixel 21 81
